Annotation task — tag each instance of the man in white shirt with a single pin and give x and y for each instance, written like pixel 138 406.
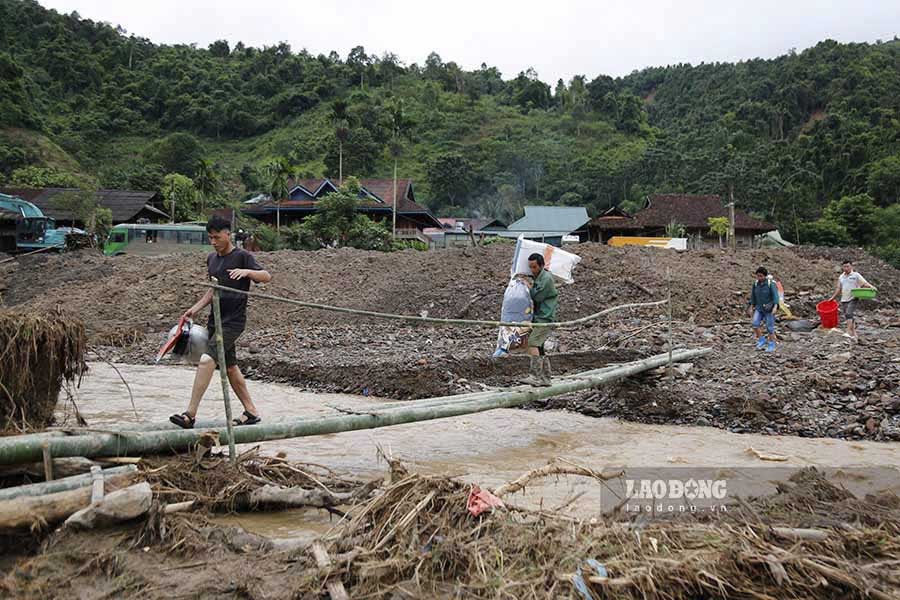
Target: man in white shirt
pixel 847 282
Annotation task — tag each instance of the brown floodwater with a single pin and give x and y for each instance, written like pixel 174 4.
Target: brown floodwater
pixel 496 446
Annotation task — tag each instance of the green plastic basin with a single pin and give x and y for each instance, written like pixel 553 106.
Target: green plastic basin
pixel 863 293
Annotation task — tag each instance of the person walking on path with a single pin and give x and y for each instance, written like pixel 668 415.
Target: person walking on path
pixel 848 281
pixel 763 303
pixel 545 299
pixel 234 268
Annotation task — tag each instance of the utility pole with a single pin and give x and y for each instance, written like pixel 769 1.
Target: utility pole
pixel 172 195
pixel 732 243
pixel 395 201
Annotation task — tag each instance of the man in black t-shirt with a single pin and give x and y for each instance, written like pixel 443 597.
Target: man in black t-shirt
pixel 233 268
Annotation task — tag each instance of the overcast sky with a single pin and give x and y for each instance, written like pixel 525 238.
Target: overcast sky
pixel 559 38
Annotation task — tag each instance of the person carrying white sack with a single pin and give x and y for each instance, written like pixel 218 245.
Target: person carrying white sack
pixel 546 300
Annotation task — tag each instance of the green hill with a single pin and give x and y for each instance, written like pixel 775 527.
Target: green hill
pixel 787 137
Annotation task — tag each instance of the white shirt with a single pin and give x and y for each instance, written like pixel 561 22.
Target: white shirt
pixel 849 283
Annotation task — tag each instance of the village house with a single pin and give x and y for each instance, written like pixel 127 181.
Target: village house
pixel 127 206
pixel 375 201
pixel 689 211
pixel 552 225
pixel 458 233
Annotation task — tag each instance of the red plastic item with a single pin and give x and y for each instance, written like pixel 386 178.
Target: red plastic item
pixel 480 500
pixel 828 313
pixel 170 343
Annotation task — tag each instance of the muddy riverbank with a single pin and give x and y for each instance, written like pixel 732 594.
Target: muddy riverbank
pixel 492 447
pixel 815 385
pixel 410 535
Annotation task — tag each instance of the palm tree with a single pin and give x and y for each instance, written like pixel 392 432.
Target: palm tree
pixel 400 129
pixel 206 182
pixel 341 121
pixel 278 171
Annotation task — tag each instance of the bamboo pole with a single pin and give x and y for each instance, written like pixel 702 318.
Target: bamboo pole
pixel 61 485
pixel 368 409
pixel 420 319
pixel 136 444
pixel 223 372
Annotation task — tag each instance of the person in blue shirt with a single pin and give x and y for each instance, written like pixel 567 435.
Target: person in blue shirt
pixel 763 303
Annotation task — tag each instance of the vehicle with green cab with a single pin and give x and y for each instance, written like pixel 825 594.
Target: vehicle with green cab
pixel 151 239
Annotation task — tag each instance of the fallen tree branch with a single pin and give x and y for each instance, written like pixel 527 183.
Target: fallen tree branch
pixel 553 469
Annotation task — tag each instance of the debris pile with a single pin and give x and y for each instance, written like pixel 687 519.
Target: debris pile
pixel 412 536
pixel 37 352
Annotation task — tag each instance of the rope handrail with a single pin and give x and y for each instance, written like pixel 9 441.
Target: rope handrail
pixel 436 320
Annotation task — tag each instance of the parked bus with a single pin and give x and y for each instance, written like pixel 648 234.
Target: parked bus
pixel 151 239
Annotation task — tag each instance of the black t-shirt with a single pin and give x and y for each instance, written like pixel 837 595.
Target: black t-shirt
pixel 233 306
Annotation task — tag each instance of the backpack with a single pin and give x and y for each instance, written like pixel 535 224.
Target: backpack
pixel 770 306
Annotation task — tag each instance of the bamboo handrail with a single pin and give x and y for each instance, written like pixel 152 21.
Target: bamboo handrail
pixel 420 319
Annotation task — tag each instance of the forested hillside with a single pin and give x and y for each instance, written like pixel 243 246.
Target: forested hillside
pixel 810 140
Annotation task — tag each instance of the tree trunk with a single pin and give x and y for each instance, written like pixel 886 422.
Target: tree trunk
pixel 51 508
pixel 340 163
pixel 278 216
pixel 61 485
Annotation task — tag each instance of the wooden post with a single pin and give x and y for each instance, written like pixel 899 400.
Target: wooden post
pixel 669 301
pixel 223 368
pixel 96 485
pixel 48 462
pixel 732 244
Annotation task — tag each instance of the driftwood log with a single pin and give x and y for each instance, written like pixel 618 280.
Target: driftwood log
pixel 41 511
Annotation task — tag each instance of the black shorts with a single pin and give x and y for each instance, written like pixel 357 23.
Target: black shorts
pixel 229 337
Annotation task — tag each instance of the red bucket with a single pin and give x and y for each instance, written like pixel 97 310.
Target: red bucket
pixel 828 313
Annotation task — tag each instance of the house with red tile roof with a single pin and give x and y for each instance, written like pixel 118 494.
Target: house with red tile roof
pixel 690 211
pixel 376 200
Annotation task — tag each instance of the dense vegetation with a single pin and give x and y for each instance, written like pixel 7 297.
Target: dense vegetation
pixel 809 140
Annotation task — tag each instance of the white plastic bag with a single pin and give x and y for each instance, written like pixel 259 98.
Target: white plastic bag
pixel 558 262
pixel 517 308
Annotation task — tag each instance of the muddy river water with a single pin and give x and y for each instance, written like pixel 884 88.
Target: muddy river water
pixel 493 447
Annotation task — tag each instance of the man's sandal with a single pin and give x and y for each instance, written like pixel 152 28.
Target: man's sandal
pixel 250 419
pixel 184 420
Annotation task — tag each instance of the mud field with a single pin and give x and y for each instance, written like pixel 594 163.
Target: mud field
pixel 816 384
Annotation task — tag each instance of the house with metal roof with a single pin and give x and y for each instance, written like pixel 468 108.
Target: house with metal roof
pixel 126 206
pixel 459 233
pixel 551 225
pixel 376 200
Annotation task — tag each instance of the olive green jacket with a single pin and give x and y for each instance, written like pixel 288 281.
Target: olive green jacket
pixel 545 298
